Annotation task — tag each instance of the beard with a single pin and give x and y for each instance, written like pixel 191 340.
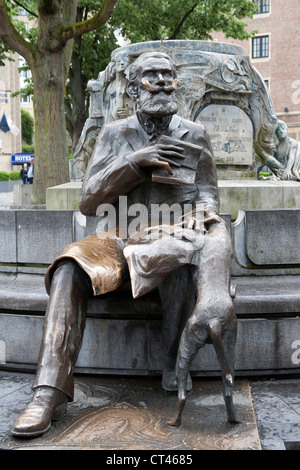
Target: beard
pixel 158 104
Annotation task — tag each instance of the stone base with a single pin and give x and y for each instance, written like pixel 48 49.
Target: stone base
pixel 234 195
pixel 238 195
pixel 236 174
pixel 125 334
pixel 22 194
pixel 134 346
pixel 63 197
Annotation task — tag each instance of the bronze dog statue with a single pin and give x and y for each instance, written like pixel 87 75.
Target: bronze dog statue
pixel 212 321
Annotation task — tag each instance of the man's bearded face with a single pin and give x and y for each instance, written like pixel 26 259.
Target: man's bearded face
pixel 157 89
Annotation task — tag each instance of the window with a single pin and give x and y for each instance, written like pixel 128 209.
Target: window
pixel 24 73
pixel 25 99
pixel 260 47
pixel 263 5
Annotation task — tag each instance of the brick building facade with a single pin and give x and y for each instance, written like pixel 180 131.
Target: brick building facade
pixel 275 53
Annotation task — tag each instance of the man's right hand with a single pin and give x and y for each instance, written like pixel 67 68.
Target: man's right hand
pixel 158 155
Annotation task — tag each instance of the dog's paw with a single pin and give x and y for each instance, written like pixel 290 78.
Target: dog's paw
pixel 175 422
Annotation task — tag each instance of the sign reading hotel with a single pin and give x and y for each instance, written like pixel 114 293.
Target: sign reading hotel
pixel 231 133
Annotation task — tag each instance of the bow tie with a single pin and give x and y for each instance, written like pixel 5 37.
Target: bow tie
pixel 153 126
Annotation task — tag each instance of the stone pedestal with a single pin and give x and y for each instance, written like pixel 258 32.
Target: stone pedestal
pixel 22 194
pixel 253 194
pixel 63 197
pixel 235 195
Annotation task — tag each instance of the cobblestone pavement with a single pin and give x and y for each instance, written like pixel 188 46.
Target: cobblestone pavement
pixel 6 199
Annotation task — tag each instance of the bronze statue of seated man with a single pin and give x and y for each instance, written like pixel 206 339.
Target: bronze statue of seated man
pixel 132 159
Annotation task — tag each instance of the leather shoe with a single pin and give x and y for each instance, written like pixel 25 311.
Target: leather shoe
pixel 47 404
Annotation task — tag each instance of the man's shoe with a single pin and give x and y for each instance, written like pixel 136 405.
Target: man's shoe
pixel 169 382
pixel 47 404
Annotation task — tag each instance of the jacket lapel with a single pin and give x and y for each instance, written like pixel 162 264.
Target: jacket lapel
pixel 175 129
pixel 138 138
pixel 135 134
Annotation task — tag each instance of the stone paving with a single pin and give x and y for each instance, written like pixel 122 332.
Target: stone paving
pixel 6 199
pixel 277 409
pixel 123 413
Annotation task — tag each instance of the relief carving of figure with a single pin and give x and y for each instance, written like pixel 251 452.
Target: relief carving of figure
pixel 119 103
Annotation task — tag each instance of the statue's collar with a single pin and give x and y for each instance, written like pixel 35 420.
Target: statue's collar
pixel 152 125
pixel 136 136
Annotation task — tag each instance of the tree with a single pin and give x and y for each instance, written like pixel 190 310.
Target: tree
pixel 48 57
pixel 182 19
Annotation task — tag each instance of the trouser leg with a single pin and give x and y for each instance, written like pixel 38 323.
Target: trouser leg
pixel 63 327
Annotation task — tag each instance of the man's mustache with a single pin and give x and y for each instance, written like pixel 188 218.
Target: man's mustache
pixel 157 88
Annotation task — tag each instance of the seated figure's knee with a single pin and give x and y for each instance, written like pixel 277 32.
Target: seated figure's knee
pixel 63 270
pixel 69 274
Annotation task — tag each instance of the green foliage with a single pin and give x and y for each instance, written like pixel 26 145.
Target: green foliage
pixel 146 20
pixel 94 51
pixel 31 34
pixel 27 123
pixel 14 175
pixel 27 148
pixel 4 176
pixel 263 175
pixel 141 20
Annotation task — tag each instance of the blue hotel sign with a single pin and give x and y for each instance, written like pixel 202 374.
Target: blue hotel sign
pixel 21 158
pixel 3 97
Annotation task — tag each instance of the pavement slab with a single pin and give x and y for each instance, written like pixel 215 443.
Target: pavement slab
pixel 124 413
pixel 6 199
pixel 277 408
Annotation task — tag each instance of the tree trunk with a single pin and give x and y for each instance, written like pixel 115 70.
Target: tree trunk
pixel 50 128
pixel 76 115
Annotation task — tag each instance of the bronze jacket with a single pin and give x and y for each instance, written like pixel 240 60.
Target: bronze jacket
pixel 111 173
